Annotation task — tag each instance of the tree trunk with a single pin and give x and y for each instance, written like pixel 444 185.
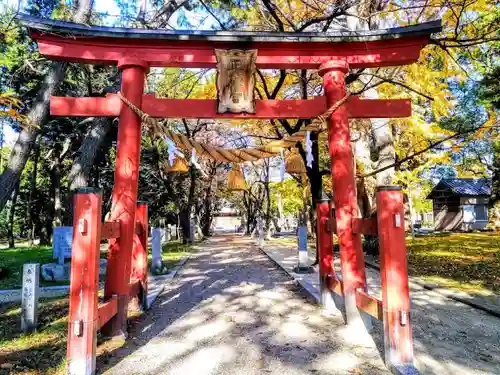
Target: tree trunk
pixel 184 221
pixel 54 171
pixel 277 222
pixel 37 116
pixel 381 133
pixel 80 170
pixel 185 214
pixel 494 200
pixel 56 189
pixel 207 212
pixel 383 147
pixel 30 212
pixel 268 200
pixel 12 214
pixel 246 201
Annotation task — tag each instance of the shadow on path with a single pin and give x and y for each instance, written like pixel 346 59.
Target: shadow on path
pixel 231 311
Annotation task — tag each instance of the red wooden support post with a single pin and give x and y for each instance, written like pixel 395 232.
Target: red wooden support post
pixel 344 185
pixel 394 271
pixel 140 254
pixel 125 195
pixel 327 274
pixel 84 287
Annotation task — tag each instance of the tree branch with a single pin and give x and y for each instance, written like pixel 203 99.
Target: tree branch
pixel 280 82
pixel 270 8
pixel 329 17
pixel 389 80
pixel 431 146
pixel 213 15
pixel 264 84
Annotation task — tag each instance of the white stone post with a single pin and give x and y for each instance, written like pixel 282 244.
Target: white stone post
pixel 168 233
pixel 29 302
pixel 302 246
pixel 156 264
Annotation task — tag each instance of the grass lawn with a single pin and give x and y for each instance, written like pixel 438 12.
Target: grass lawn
pixel 469 262
pixel 172 252
pixel 44 352
pixel 13 260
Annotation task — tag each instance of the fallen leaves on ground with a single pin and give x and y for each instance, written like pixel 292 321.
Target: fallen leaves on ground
pixel 463 261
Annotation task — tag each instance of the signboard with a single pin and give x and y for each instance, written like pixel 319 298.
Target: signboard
pixel 63 238
pixel 235 81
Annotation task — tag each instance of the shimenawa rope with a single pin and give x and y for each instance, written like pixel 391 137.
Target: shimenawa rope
pixel 234 155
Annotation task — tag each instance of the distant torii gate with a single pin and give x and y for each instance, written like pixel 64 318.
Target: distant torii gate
pixel 134 51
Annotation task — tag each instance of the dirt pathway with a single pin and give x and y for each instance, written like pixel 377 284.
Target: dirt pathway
pixel 231 311
pixel 449 337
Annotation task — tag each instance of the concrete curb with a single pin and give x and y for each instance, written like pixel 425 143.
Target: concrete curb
pixel 306 286
pixel 15 295
pixel 314 293
pixel 446 293
pixel 163 279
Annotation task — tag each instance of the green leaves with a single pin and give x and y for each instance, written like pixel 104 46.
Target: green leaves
pixel 489 88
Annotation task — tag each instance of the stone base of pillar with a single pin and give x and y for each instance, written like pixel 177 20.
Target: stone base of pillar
pixel 303 269
pixel 403 369
pixel 331 302
pixel 357 320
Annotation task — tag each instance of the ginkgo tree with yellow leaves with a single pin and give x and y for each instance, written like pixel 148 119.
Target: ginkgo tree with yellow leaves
pixel 449 69
pixel 10 106
pixel 457 56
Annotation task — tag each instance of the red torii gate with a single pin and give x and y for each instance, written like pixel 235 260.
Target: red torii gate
pixel 134 51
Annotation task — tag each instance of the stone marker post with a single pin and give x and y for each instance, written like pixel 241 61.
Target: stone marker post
pixel 303 257
pixel 63 238
pixel 168 233
pixel 156 264
pixel 29 303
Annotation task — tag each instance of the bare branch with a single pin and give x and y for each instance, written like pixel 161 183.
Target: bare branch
pixel 280 82
pixel 264 84
pixel 271 9
pixel 429 147
pixel 213 15
pixel 390 80
pixel 329 18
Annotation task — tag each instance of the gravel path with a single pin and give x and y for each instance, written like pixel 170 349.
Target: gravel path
pixel 449 337
pixel 231 311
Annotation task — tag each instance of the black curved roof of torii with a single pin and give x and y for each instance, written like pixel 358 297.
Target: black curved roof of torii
pixel 73 29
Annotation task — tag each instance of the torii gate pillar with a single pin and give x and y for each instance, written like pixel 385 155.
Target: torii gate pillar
pixel 344 187
pixel 128 150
